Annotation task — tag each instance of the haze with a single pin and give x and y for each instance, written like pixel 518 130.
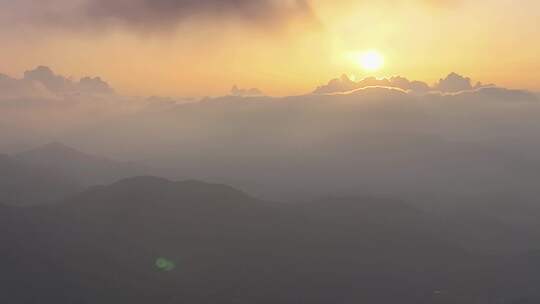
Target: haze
pixel 269 151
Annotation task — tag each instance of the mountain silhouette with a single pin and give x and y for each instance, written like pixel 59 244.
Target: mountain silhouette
pixel 151 240
pixel 55 171
pixel 24 184
pixel 85 169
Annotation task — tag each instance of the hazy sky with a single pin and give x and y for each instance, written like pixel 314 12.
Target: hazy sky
pixel 190 47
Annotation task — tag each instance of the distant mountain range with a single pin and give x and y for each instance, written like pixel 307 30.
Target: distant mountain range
pixel 151 240
pixel 54 171
pixel 84 168
pixel 23 184
pixel 78 228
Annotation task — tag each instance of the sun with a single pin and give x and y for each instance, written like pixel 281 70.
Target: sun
pixel 370 61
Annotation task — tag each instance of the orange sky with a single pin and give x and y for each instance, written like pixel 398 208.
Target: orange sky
pixel 491 41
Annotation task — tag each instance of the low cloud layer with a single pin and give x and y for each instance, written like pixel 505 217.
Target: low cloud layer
pixel 382 138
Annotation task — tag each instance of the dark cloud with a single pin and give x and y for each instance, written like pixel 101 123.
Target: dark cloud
pixel 166 12
pixel 149 14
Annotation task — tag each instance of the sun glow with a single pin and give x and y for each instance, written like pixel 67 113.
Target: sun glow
pixel 370 61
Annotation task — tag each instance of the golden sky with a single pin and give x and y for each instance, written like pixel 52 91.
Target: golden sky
pixel 279 46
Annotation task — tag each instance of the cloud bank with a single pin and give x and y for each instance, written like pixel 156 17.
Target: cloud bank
pixel 453 83
pixel 382 138
pixel 42 82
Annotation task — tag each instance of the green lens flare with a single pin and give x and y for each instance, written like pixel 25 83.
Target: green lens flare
pixel 163 264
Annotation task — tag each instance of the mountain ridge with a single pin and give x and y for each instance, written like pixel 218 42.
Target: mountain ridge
pixel 225 244
pixel 87 169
